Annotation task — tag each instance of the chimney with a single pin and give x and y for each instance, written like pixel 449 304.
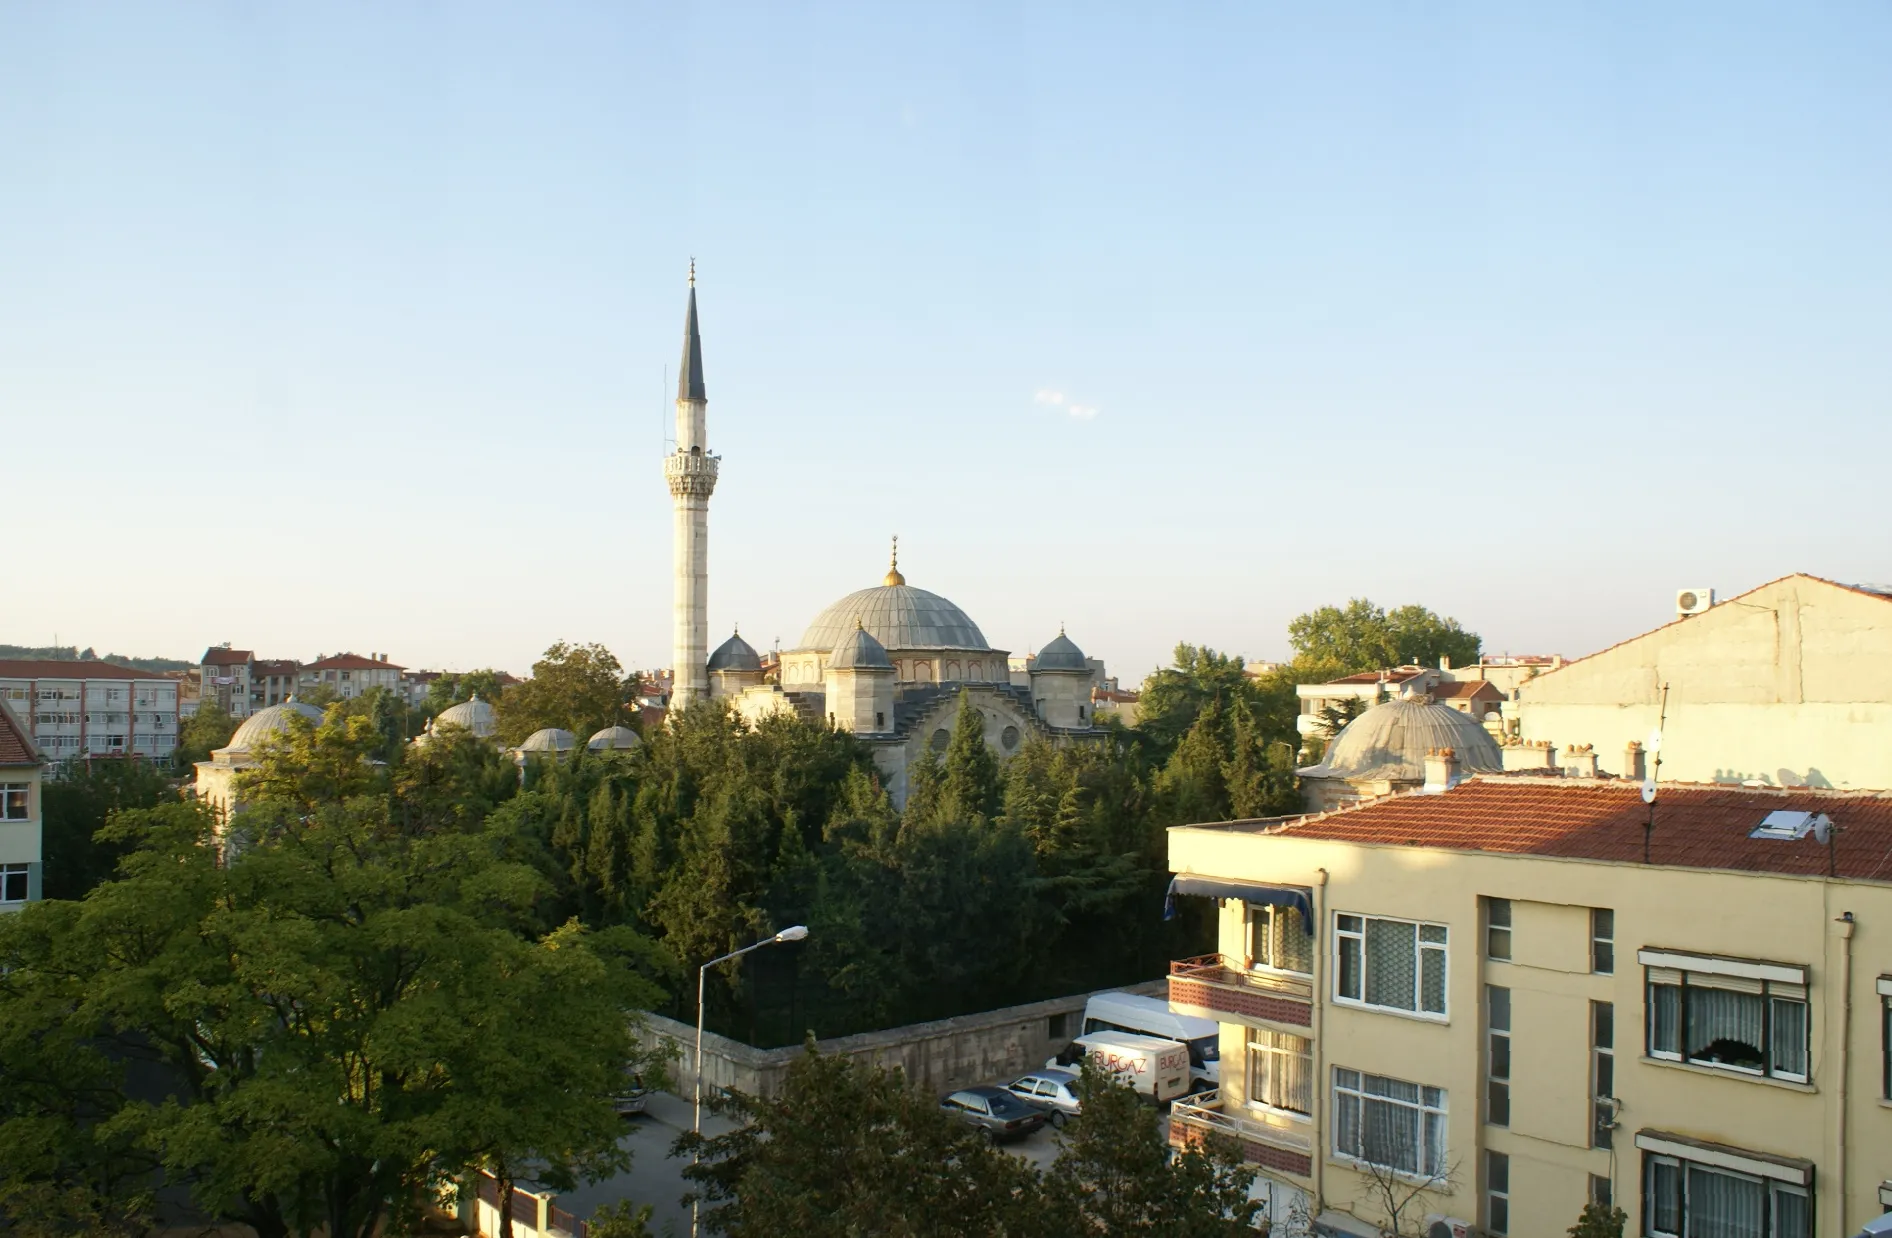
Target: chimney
pixel 1445 662
pixel 1441 770
pixel 1632 762
pixel 1580 761
pixel 1535 755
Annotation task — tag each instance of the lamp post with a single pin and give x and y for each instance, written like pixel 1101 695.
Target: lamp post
pixel 796 933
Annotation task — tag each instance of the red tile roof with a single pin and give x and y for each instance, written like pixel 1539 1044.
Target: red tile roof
pixel 220 656
pixel 1396 675
pixel 1696 825
pixel 351 662
pixel 16 746
pixel 1450 690
pixel 46 668
pixel 276 666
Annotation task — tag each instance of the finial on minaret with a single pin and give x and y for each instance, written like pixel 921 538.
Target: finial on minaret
pixel 690 373
pixel 692 270
pixel 893 576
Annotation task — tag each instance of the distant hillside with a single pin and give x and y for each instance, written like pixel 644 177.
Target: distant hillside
pixel 72 653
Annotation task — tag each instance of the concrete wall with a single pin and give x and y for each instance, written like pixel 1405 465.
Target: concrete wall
pixel 938 1056
pixel 1790 683
pixel 1789 920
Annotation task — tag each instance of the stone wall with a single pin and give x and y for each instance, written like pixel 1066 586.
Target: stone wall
pixel 937 1056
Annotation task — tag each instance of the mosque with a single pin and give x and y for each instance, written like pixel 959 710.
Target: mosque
pixel 887 663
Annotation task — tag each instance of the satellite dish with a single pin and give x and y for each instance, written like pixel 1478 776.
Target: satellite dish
pixel 1654 742
pixel 1648 790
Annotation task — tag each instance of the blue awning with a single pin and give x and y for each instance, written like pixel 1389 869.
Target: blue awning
pixel 1298 897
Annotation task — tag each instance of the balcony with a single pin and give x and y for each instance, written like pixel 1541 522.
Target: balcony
pixel 1214 987
pixel 1284 1146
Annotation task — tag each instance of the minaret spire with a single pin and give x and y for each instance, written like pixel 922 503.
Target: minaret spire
pixel 691 473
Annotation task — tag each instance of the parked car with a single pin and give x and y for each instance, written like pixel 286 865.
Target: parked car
pixel 632 1097
pixel 995 1112
pixel 1052 1090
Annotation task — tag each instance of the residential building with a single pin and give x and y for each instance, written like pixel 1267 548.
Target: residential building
pixel 1478 698
pixel 20 811
pixel 1514 996
pixel 1789 684
pixel 1505 671
pixel 92 709
pixel 350 674
pixel 1361 691
pixel 1386 750
pixel 223 676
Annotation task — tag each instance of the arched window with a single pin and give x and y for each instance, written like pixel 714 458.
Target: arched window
pixel 975 671
pixel 951 671
pixel 923 672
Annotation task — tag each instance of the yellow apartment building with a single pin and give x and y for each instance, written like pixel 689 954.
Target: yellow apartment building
pixel 1491 1003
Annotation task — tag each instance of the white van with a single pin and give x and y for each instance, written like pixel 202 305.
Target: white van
pixel 1158 1069
pixel 1151 1016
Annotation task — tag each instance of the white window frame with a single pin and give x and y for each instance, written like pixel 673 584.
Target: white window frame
pixel 1251 1049
pixel 1441 1111
pixel 1773 1184
pixel 1777 982
pixel 1343 935
pixel 25 873
pixel 25 790
pixel 1269 913
pixel 1494 1195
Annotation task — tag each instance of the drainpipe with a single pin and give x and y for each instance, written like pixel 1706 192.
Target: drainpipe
pixel 1321 1090
pixel 1845 1054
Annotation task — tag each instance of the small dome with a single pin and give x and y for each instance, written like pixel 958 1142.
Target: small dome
pixel 860 652
pixel 266 722
pixel 548 739
pixel 899 617
pixel 1391 740
pixel 474 714
pixel 615 739
pixel 735 654
pixel 1061 654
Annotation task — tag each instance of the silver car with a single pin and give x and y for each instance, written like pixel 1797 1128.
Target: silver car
pixel 1052 1090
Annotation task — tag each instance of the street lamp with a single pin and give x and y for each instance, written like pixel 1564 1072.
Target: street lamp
pixel 796 933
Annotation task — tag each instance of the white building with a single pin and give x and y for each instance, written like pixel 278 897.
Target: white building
pixel 92 709
pixel 19 813
pixel 350 674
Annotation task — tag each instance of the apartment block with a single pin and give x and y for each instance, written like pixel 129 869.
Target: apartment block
pixel 350 674
pixel 20 833
pixel 1491 1003
pixel 92 709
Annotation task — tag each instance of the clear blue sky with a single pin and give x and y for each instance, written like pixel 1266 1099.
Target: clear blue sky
pixel 329 325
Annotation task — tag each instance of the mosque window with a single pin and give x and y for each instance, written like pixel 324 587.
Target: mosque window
pixel 940 740
pixel 1009 738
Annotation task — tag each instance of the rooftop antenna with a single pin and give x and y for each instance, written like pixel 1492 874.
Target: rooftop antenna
pixel 1655 773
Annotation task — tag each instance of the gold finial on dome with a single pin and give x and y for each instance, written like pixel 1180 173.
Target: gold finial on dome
pixel 893 576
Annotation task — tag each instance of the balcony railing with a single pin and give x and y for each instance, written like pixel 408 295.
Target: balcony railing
pixel 1215 984
pixel 1288 1148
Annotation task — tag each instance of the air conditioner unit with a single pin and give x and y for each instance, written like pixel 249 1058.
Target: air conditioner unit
pixel 1447 1227
pixel 1693 601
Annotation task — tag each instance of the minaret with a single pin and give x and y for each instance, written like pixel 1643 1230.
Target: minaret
pixel 691 472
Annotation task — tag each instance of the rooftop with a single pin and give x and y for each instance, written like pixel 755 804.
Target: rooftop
pixel 352 662
pixel 47 668
pixel 1451 690
pixel 16 746
pixel 1397 674
pixel 1696 825
pixel 223 655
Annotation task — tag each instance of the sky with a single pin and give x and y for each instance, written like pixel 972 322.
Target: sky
pixel 355 326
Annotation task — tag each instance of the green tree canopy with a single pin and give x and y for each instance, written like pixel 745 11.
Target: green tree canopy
pixel 205 731
pixel 77 805
pixel 450 689
pixel 577 688
pixel 1335 641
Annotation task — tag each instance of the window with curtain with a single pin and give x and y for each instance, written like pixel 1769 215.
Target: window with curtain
pixel 1389 1123
pixel 1682 1199
pixel 1391 964
pixel 1278 939
pixel 1757 1027
pixel 1280 1071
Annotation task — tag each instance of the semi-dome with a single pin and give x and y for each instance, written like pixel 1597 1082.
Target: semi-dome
pixel 1391 740
pixel 473 714
pixel 614 739
pixel 549 739
pixel 266 722
pixel 899 617
pixel 859 651
pixel 1061 654
pixel 735 654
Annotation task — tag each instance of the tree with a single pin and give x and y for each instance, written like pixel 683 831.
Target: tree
pixel 969 776
pixel 76 807
pixel 577 688
pixel 1115 1175
pixel 851 1150
pixel 1399 1194
pixel 450 689
pixel 1173 698
pixel 1334 641
pixel 1599 1221
pixel 205 731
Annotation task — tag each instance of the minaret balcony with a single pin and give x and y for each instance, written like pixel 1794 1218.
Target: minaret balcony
pixel 691 473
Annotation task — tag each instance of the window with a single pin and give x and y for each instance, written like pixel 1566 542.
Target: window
pixel 1735 1022
pixel 13 883
pixel 1885 1040
pixel 1389 1123
pixel 1602 1074
pixel 15 801
pixel 1391 964
pixel 1280 1071
pixel 1497 1055
pixel 1702 1201
pixel 1498 928
pixel 1603 941
pixel 1601 1193
pixel 1278 939
pixel 1058 1026
pixel 1497 1193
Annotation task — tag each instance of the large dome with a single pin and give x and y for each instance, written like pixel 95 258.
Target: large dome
pixel 474 714
pixel 1391 740
pixel 266 722
pixel 899 617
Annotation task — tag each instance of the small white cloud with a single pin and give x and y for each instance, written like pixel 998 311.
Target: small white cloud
pixel 1048 397
pixel 1083 412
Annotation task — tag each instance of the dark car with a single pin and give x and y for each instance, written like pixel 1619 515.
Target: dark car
pixel 997 1113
